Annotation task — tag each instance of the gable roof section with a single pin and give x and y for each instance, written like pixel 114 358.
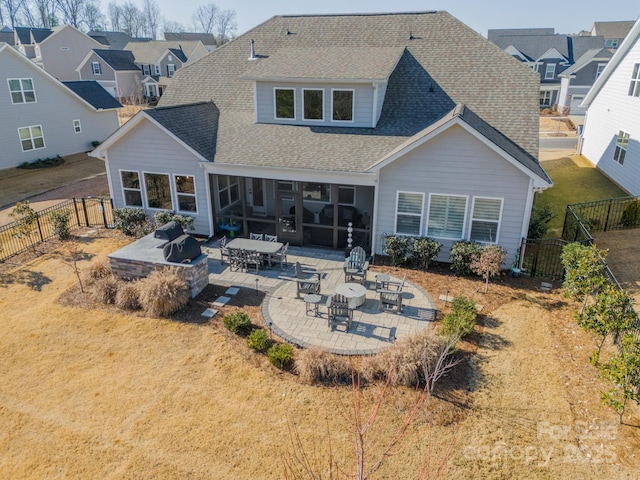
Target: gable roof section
pixel 512 152
pixel 582 44
pixel 93 93
pixel 622 50
pixel 494 33
pixel 365 64
pixel 595 54
pixel 179 53
pixel 535 46
pixel 151 52
pixel 431 77
pixel 7 37
pixel 122 60
pixel 24 34
pixel 205 38
pixel 60 28
pixel 618 29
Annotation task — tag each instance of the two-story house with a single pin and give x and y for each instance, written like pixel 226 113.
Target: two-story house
pixel 207 39
pixel 26 39
pixel 309 126
pixel 42 117
pixel 612 32
pixel 115 70
pixel 611 136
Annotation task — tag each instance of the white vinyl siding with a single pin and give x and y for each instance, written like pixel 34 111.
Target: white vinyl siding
pixel 185 188
pixel 485 219
pixel 342 105
pixel 622 143
pixel 31 138
pixel 131 190
pixel 22 90
pixel 446 216
pixel 634 86
pixel 409 209
pixel 284 103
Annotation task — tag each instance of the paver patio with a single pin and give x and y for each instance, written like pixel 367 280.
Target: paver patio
pixel 286 315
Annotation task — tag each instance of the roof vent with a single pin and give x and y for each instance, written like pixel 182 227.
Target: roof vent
pixel 253 51
pixel 411 37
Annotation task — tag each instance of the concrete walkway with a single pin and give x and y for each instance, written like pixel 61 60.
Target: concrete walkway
pixel 286 315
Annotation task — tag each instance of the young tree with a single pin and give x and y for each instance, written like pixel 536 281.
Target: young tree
pixel 72 255
pixel 25 218
pixel 584 271
pixel 487 263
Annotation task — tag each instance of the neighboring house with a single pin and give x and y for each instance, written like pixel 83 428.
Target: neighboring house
pixel 115 40
pixel 26 39
pixel 307 125
pixel 207 39
pixel 7 35
pixel 612 32
pixel 547 53
pixel 41 117
pixel 115 70
pixel 63 50
pixel 611 136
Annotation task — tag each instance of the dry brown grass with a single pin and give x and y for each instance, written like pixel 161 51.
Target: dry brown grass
pixel 96 393
pixel 105 289
pixel 163 292
pixel 127 112
pixel 128 295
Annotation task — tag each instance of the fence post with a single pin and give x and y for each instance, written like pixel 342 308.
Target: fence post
pixel 75 207
pixel 523 249
pixel 104 214
pixel 39 227
pixel 86 215
pixel 606 222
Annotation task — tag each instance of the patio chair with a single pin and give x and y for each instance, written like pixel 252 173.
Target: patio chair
pixel 224 250
pixel 391 295
pixel 280 256
pixel 338 311
pixel 256 236
pixel 356 266
pixel 270 238
pixel 236 260
pixel 307 281
pixel 252 258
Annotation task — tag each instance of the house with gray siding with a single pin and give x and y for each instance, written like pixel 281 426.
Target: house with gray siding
pixel 611 135
pixel 300 130
pixel 115 70
pixel 42 117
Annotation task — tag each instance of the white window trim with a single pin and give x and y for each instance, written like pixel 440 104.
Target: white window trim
pixel 353 105
pixel 171 70
pixel 275 110
pixel 395 213
pixel 351 187
pixel 194 194
pixel 464 221
pixel 145 200
pixel 30 127
pixel 146 69
pixel 499 222
pixel 546 71
pixel 93 68
pixel 618 147
pixel 600 68
pixel 547 93
pixel 157 69
pixel 312 90
pixel 634 85
pixel 77 126
pixel 123 188
pixel 35 98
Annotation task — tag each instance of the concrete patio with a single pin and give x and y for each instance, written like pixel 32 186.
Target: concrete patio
pixel 286 315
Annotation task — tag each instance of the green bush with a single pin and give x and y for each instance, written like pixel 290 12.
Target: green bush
pixel 132 221
pixel 461 319
pixel 631 214
pixel 461 256
pixel 95 143
pixel 398 248
pixel 424 251
pixel 60 220
pixel 259 340
pixel 539 223
pixel 237 322
pixel 281 355
pixel 164 217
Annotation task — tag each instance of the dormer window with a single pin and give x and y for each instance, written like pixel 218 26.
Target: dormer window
pixel 550 71
pixel 95 67
pixel 146 69
pixel 313 104
pixel 342 105
pixel 285 106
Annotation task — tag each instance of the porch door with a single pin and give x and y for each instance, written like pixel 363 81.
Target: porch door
pixel 289 214
pixel 257 195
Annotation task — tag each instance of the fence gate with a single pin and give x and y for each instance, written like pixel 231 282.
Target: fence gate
pixel 542 257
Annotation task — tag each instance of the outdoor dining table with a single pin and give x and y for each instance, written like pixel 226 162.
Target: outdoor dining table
pixel 259 246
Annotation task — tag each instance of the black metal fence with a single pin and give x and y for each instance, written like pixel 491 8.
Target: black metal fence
pixel 600 216
pixel 19 236
pixel 541 258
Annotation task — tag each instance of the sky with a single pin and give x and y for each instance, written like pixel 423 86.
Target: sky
pixel 565 16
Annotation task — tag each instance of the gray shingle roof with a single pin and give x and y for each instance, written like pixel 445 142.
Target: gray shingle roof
pixel 581 45
pixel 149 52
pixel 7 37
pixel 534 45
pixel 205 38
pixel 618 29
pixel 431 77
pixel 595 53
pixel 116 40
pixel 493 33
pixel 39 34
pixel 93 93
pixel 195 124
pixel 346 63
pixel 179 53
pixel 118 59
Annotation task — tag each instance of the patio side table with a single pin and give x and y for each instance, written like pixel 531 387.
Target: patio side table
pixel 311 302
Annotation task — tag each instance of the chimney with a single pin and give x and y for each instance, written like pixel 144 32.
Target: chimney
pixel 253 51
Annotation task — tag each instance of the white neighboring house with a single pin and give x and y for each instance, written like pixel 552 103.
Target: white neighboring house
pixel 611 136
pixel 42 117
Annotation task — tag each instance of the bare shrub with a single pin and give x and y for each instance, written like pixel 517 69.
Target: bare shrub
pixel 127 296
pixel 163 292
pixel 105 289
pixel 99 270
pixel 315 364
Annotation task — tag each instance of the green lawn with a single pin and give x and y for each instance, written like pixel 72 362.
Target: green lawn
pixel 575 180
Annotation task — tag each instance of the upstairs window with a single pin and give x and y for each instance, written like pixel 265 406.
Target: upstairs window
pixel 634 87
pixel 171 69
pixel 550 71
pixel 312 104
pixel 96 68
pixel 77 127
pixel 600 69
pixel 157 69
pixel 146 69
pixel 610 43
pixel 621 147
pixel 22 90
pixel 342 105
pixel 285 103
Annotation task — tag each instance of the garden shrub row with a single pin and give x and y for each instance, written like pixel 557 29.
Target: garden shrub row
pixel 134 222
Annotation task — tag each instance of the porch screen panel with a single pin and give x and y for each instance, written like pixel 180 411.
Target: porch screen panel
pixel 486 220
pixel 446 216
pixel 409 213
